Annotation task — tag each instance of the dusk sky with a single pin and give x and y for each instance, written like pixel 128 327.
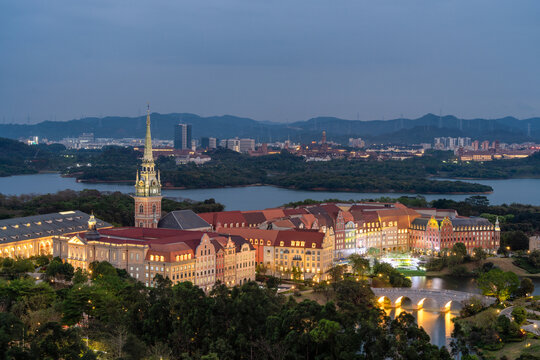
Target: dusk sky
pixel 270 60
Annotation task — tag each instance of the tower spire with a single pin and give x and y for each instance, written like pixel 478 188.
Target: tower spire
pixel 148 139
pixel 147 186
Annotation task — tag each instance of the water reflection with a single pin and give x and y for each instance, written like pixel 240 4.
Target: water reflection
pixel 437 325
pixel 445 283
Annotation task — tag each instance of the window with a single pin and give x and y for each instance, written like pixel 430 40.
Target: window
pixel 141 208
pixel 154 209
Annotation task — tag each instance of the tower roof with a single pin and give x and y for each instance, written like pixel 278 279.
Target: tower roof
pixel 148 139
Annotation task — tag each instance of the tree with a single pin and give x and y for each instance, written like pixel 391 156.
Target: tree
pixel 15 268
pixel 534 258
pixel 11 329
pixel 459 249
pixel 526 287
pixel 60 270
pixel 359 264
pixel 261 269
pixel 336 273
pixel 80 276
pixel 387 273
pixel 498 283
pixel 273 282
pixel 516 240
pixel 519 314
pixel 479 254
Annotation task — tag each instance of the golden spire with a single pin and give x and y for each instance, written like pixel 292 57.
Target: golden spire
pixel 148 157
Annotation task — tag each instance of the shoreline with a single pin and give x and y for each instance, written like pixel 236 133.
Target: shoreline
pixel 340 190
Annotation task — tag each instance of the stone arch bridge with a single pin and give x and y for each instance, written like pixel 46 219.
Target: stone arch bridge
pixel 420 298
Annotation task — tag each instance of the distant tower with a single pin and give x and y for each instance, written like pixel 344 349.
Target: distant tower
pixel 323 139
pixel 147 186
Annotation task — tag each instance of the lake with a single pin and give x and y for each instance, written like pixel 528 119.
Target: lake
pixel 526 191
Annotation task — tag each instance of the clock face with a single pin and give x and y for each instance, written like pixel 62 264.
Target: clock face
pixel 153 182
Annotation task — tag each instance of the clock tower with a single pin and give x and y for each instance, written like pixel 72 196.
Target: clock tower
pixel 147 186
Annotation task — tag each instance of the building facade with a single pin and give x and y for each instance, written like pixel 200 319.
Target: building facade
pixel 33 235
pixel 174 254
pixel 434 236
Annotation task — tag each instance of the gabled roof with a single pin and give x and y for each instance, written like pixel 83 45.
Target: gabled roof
pixel 53 224
pixel 183 220
pixel 254 218
pixel 270 214
pixel 224 217
pixel 296 211
pixel 277 236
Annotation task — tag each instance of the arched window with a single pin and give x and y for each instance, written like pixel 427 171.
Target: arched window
pixel 154 209
pixel 141 208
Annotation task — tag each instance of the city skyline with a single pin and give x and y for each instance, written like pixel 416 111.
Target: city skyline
pixel 269 62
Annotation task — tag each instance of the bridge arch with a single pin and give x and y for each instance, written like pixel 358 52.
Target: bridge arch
pixel 452 305
pixel 443 300
pixel 428 303
pixel 404 302
pixel 385 301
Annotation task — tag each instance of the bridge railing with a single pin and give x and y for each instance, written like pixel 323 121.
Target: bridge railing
pixel 449 293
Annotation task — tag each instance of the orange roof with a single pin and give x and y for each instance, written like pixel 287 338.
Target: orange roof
pixel 277 236
pixel 273 213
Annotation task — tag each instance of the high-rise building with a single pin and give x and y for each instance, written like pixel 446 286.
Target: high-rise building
pixel 247 145
pixel 147 186
pixel 182 136
pixel 208 143
pixel 233 144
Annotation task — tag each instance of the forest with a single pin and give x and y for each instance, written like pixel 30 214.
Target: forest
pixel 106 314
pixel 229 168
pixel 115 208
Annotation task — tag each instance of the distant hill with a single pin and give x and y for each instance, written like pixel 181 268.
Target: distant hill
pixel 399 131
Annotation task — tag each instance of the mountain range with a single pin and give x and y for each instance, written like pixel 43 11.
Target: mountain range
pixel 396 131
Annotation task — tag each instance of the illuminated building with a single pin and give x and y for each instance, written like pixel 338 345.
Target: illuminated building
pixel 147 186
pixel 32 235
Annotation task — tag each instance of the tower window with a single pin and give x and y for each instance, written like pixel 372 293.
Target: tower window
pixel 141 208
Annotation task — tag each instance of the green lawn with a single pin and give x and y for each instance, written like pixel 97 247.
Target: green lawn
pixel 515 349
pixel 407 272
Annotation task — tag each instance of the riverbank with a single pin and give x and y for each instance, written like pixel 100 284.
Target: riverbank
pixel 504 264
pixel 293 188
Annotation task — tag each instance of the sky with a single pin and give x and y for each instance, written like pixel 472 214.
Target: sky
pixel 270 60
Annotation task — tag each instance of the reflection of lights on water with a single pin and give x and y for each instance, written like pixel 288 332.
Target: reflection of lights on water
pixel 431 321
